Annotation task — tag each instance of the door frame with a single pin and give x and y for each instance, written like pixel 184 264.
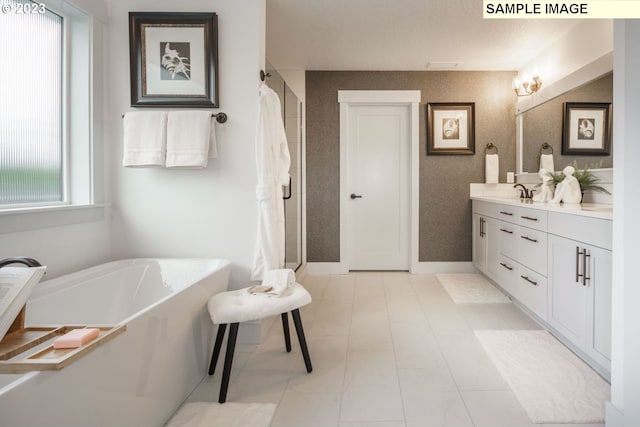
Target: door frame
pixel 410 98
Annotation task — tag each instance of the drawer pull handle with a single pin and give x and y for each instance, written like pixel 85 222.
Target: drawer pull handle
pixel 529 239
pixel 506 231
pixel 530 281
pixel 506 213
pixel 506 266
pixel 529 218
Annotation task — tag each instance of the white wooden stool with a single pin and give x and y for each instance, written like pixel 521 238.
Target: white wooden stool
pixel 238 306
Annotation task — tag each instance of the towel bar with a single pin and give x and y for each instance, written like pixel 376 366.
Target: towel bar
pixel 220 117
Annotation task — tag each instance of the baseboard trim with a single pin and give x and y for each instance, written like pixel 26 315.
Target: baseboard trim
pixel 444 267
pixel 324 268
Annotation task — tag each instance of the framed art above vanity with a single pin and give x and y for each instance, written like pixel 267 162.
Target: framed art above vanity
pixel 586 129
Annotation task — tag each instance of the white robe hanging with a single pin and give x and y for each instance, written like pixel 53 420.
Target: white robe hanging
pixel 272 164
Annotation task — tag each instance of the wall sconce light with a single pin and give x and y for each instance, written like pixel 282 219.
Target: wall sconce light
pixel 528 86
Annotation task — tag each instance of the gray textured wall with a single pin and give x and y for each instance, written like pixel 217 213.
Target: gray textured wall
pixel 445 209
pixel 544 124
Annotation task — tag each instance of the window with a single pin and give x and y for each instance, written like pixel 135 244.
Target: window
pixel 32 147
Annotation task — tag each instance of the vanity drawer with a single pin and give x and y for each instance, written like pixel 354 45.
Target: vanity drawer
pixel 484 208
pixel 532 249
pixel 508 235
pixel 507 274
pixel 593 231
pixel 507 213
pixel 533 218
pixel 532 291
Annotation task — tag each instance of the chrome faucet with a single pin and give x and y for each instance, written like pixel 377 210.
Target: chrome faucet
pixel 29 262
pixel 525 193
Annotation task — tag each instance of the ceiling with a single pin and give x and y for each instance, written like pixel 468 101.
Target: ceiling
pixel 401 35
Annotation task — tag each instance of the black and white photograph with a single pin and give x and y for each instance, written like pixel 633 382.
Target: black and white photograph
pixel 174 60
pixel 586 128
pixel 450 128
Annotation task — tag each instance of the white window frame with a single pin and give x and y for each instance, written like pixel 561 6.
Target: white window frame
pixel 83 196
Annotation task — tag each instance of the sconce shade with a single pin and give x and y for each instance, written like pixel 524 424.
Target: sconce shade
pixel 527 86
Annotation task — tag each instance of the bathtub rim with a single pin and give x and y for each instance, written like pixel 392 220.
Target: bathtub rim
pixel 220 264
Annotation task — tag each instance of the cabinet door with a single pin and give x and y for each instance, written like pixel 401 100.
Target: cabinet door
pixel 479 242
pixel 568 298
pixel 492 247
pixel 599 269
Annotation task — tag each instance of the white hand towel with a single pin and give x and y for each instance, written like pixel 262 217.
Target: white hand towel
pixel 188 138
pixel 145 138
pixel 492 168
pixel 546 162
pixel 279 280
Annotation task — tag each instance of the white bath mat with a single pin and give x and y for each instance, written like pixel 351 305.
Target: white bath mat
pixel 471 288
pixel 552 384
pixel 230 414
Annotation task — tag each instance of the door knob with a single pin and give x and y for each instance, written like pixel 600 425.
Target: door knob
pixel 355 196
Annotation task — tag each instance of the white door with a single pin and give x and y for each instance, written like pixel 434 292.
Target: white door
pixel 378 199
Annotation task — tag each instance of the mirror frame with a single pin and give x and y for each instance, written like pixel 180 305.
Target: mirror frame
pixel 580 77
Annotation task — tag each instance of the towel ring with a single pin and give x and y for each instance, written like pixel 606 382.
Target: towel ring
pixel 490 146
pixel 546 146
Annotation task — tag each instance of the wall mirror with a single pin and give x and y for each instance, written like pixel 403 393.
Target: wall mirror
pixel 543 123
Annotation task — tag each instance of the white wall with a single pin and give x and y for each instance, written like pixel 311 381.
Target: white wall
pixel 192 213
pixel 587 41
pixel 583 54
pixel 624 409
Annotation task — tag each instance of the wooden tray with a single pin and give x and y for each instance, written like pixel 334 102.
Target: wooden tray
pixel 15 357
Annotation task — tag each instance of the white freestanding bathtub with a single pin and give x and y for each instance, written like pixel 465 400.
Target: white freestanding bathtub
pixel 138 378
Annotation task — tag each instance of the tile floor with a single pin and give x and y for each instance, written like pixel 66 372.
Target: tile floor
pixel 388 350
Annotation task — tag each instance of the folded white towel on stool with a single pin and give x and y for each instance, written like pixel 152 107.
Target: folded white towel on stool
pixel 190 139
pixel 145 138
pixel 279 280
pixel 492 168
pixel 546 162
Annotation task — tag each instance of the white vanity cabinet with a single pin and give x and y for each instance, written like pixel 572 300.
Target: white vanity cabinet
pixel 579 300
pixel 512 253
pixel 556 262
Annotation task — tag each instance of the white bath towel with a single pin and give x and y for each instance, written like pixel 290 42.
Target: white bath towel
pixel 279 280
pixel 546 162
pixel 492 168
pixel 145 138
pixel 190 134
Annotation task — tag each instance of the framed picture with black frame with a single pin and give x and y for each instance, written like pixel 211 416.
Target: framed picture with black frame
pixel 586 128
pixel 173 59
pixel 450 128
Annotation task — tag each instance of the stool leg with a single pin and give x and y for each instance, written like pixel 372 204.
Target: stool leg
pixel 228 360
pixel 303 343
pixel 285 327
pixel 216 348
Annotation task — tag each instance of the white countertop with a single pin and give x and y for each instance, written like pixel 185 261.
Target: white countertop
pixel 594 210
